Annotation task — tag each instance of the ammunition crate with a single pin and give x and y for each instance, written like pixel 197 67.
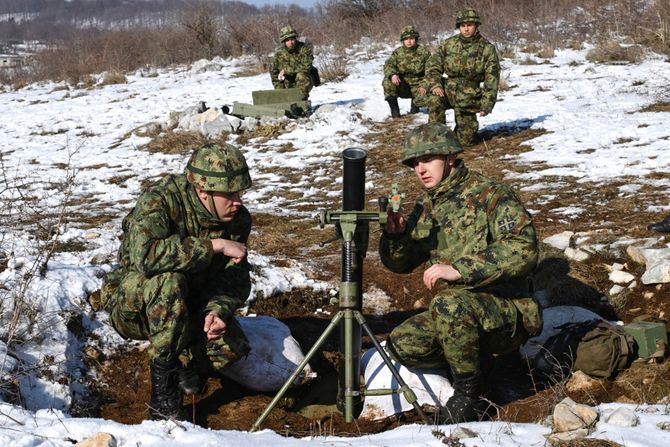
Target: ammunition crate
pixel 649 336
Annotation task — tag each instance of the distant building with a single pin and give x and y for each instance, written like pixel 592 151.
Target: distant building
pixel 11 60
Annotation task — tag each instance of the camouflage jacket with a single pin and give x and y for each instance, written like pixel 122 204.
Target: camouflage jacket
pixel 467 62
pixel 298 60
pixel 475 224
pixel 169 230
pixel 408 63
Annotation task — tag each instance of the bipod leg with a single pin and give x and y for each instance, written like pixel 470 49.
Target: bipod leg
pixel 407 392
pixel 322 338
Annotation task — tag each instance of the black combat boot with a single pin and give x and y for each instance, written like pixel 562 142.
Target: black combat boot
pixel 395 109
pixel 166 397
pixel 466 404
pixel 413 108
pixel 190 381
pixel 662 226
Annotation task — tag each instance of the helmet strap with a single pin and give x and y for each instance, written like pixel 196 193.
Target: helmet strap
pixel 212 206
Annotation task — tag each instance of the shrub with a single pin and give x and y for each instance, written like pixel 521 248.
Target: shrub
pixel 612 52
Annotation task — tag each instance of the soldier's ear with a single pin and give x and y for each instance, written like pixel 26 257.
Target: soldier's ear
pixel 202 195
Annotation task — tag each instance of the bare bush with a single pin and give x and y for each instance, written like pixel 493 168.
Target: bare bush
pixel 332 67
pixel 613 52
pixel 24 212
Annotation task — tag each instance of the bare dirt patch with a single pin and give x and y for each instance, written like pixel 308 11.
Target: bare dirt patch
pixel 519 394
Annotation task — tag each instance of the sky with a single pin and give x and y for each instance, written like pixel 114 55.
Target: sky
pixel 594 135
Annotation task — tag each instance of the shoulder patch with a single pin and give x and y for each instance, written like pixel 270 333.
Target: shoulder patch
pixel 506 224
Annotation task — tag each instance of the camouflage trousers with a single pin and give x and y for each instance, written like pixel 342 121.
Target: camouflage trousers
pixel 466 122
pixel 160 309
pixel 300 80
pixel 458 330
pixel 405 90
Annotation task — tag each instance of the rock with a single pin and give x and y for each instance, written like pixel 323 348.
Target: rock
pixel 650 256
pixel 576 254
pixel 250 123
pixel 204 65
pixel 214 129
pixel 635 254
pixel 560 438
pixel 582 382
pixel 463 433
pixel 623 417
pixel 617 266
pixel 665 425
pixel 102 258
pixel 621 277
pixel 235 122
pixel 560 241
pixel 615 290
pixel 657 274
pixel 569 416
pixel 91 235
pixel 98 440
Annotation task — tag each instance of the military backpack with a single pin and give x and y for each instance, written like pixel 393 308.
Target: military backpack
pixel 595 347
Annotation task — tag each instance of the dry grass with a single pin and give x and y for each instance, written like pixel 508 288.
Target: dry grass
pixel 610 52
pixel 170 142
pixel 332 68
pixel 662 106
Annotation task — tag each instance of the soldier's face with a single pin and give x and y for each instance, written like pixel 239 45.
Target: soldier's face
pixel 290 43
pixel 430 169
pixel 226 204
pixel 467 29
pixel 409 42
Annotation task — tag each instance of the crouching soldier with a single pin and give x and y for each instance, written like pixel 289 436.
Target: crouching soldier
pixel 480 246
pixel 473 76
pixel 404 71
pixel 183 272
pixel 292 63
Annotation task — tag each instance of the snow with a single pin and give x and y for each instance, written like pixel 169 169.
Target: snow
pixel 596 132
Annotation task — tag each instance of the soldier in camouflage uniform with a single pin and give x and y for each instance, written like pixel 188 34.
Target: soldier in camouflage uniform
pixel 183 272
pixel 473 74
pixel 292 63
pixel 404 71
pixel 479 246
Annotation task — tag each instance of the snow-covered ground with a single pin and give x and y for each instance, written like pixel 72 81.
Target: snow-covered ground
pixel 596 133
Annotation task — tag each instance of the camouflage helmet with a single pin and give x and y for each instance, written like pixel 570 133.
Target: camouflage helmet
pixel 218 168
pixel 408 31
pixel 287 32
pixel 467 15
pixel 430 139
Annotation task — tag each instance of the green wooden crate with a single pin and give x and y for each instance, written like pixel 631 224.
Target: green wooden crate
pixel 282 95
pixel 648 336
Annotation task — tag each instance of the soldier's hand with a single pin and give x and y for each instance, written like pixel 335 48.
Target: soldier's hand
pixel 214 326
pixel 438 91
pixel 422 91
pixel 482 113
pixel 395 222
pixel 236 251
pixel 440 271
pixel 395 79
pixel 281 76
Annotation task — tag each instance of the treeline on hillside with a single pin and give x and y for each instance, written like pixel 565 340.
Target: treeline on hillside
pixel 191 30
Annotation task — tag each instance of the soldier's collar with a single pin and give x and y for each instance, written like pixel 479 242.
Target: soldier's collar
pixel 457 175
